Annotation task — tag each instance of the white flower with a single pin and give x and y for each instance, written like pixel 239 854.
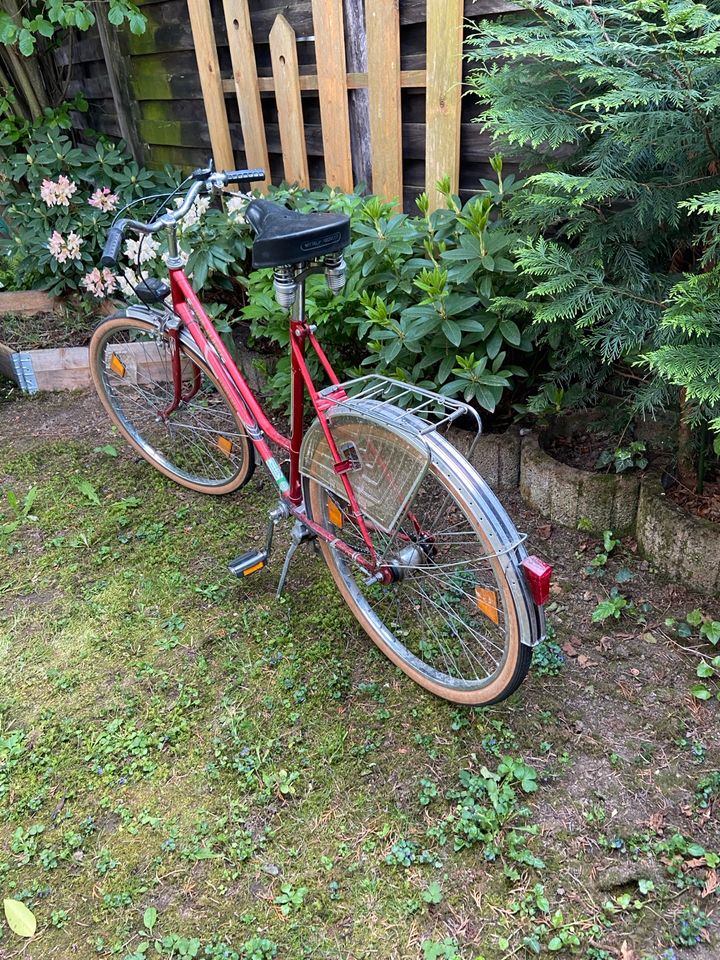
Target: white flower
pixel 195 212
pixel 237 205
pixel 146 248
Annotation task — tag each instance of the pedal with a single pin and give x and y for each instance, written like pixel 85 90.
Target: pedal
pixel 248 563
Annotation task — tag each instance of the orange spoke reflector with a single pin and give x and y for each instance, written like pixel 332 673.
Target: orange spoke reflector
pixel 335 514
pixel 225 445
pixel 117 366
pixel 486 601
pixel 254 569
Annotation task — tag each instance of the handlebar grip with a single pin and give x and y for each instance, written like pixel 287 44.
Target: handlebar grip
pixel 243 176
pixel 111 250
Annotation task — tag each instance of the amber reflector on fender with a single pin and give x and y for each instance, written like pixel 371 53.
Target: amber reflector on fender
pixel 486 601
pixel 225 445
pixel 335 514
pixel 117 366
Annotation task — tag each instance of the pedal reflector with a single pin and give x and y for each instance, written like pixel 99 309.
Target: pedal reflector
pixel 117 366
pixel 486 601
pixel 335 514
pixel 248 563
pixel 225 445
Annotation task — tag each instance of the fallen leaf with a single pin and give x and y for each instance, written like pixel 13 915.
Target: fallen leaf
pixel 657 822
pixel 569 649
pixel 649 637
pixel 586 662
pixel 20 919
pixel 626 952
pixel 545 531
pixel 711 883
pixel 694 863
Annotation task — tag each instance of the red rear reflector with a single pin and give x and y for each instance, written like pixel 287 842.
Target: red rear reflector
pixel 537 575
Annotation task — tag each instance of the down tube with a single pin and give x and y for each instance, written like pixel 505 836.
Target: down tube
pixel 243 409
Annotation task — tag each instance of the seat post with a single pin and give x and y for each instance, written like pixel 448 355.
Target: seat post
pixel 297 386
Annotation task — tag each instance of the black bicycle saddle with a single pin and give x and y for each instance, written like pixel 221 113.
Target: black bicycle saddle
pixel 284 236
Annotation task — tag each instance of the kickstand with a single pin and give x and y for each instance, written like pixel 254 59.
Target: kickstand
pixel 300 534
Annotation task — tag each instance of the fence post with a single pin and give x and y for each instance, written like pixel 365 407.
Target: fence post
pixel 332 85
pixel 283 53
pixel 211 83
pixel 383 32
pixel 444 81
pixel 242 55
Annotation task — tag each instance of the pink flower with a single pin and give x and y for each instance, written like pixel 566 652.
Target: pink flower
pixel 64 249
pixel 103 199
pixel 100 283
pixel 57 194
pixel 56 246
pixel 47 192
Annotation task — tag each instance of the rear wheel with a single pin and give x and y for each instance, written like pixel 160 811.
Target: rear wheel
pixel 201 445
pixel 452 620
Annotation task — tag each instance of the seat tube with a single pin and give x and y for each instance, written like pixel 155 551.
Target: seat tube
pixel 297 390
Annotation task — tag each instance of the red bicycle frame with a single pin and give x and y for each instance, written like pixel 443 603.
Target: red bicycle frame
pixel 218 358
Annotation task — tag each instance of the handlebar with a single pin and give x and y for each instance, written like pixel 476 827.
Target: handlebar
pixel 205 181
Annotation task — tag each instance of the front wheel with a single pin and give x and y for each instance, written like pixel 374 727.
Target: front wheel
pixel 454 617
pixel 202 444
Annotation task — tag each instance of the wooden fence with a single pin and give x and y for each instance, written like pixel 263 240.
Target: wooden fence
pixel 263 82
pixel 384 79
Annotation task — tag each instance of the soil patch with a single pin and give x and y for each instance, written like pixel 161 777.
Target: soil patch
pixel 705 505
pixel 41 331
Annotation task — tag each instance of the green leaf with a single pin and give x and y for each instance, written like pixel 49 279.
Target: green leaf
pixel 704 670
pixel 711 631
pixel 88 491
pixel 109 449
pixel 150 918
pixel 26 43
pixel 645 886
pixel 452 331
pixel 20 919
pixel 694 618
pixel 555 944
pixel 700 691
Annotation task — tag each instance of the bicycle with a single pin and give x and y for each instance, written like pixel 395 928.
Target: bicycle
pixel 420 548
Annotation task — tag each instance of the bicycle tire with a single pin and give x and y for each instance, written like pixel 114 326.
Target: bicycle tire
pixel 407 628
pixel 203 445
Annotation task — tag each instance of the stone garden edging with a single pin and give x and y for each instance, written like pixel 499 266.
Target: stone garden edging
pixel 565 495
pixel 678 544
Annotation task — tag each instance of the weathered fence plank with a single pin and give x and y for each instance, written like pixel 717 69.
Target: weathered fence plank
pixel 444 78
pixel 383 32
pixel 283 53
pixel 332 85
pixel 211 82
pixel 242 55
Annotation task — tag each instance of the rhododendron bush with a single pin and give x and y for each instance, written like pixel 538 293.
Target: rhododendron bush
pixel 58 201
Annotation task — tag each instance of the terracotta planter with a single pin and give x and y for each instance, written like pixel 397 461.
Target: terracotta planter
pixel 565 495
pixel 679 545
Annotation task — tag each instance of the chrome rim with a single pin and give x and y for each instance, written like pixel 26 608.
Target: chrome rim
pixel 447 616
pixel 201 441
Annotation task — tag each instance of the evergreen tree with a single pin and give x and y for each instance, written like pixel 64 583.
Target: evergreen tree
pixel 617 104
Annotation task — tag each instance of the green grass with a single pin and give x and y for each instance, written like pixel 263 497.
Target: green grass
pixel 253 770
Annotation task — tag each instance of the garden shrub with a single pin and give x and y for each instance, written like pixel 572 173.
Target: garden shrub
pixel 418 295
pixel 616 105
pixel 59 200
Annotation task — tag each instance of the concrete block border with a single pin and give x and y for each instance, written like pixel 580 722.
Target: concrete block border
pixel 565 495
pixel 679 545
